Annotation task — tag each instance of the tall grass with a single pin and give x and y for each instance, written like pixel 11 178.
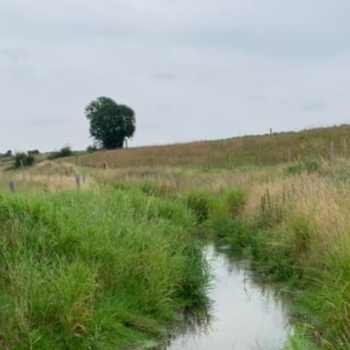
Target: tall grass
pixel 98 269
pixel 239 151
pixel 296 231
pixel 291 221
pixel 127 256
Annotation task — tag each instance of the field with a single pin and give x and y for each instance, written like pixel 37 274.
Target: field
pixel 112 264
pixel 240 151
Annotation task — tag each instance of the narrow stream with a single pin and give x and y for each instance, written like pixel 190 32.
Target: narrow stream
pixel 244 315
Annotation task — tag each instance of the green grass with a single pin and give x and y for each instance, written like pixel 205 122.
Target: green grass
pixel 113 264
pixel 287 245
pixel 309 166
pixel 95 269
pixel 285 248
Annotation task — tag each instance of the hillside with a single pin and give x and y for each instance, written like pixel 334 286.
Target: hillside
pixel 69 232
pixel 248 150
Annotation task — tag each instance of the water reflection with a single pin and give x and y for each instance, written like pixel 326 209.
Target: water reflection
pixel 243 314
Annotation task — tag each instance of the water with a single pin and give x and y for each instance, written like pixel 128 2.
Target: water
pixel 244 315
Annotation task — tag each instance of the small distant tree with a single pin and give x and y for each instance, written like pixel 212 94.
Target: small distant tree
pixel 23 159
pixel 110 123
pixel 8 154
pixel 65 152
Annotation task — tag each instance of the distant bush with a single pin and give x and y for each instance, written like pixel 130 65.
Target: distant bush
pixel 92 149
pixel 23 159
pixel 309 166
pixel 34 152
pixel 8 154
pixel 63 152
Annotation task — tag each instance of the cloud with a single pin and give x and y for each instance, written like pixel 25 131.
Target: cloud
pixel 191 70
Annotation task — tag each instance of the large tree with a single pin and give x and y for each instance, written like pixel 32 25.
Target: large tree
pixel 110 123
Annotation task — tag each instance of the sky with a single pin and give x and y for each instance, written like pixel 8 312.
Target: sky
pixel 191 70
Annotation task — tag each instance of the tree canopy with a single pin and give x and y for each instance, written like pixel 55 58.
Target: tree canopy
pixel 110 123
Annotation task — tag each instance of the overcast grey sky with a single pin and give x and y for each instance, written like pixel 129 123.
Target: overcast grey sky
pixel 191 69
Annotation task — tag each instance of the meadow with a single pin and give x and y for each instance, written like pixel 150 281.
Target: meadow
pixel 270 149
pixel 113 264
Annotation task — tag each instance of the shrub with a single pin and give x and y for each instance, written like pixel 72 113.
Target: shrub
pixel 33 152
pixel 23 159
pixel 8 154
pixel 92 149
pixel 62 153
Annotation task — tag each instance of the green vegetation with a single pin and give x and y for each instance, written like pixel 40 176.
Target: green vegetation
pixel 110 123
pixel 299 238
pixel 98 269
pixel 8 154
pixel 260 150
pixel 290 221
pixel 65 151
pixel 112 265
pixel 23 160
pixel 309 166
pixel 34 152
pixel 92 149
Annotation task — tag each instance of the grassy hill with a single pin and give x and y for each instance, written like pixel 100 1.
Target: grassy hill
pixel 248 150
pixel 110 261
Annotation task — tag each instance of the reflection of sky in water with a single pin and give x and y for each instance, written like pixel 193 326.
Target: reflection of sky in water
pixel 245 317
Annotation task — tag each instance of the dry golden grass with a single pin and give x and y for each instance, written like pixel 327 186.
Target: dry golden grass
pixel 49 167
pixel 249 150
pixel 178 179
pixel 318 196
pixel 46 175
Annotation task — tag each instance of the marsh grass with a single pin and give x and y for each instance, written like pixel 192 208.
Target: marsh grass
pixel 293 225
pixel 95 269
pixel 299 235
